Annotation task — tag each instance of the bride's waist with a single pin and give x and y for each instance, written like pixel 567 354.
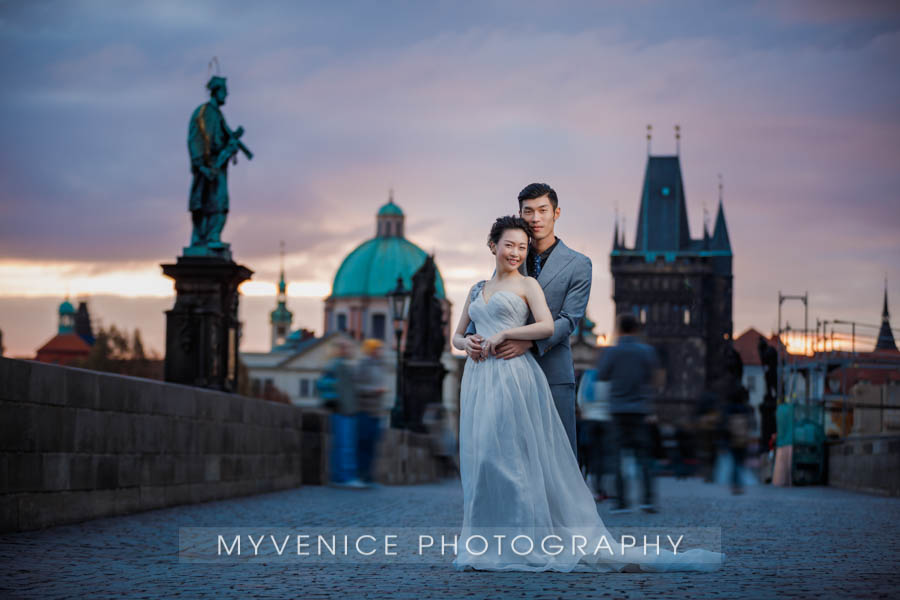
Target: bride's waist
pixel 496 358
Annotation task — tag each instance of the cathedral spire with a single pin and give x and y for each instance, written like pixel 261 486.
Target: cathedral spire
pixel 282 285
pixel 281 318
pixel 706 237
pixel 885 335
pixel 720 239
pixel 662 224
pixel 885 315
pixel 616 232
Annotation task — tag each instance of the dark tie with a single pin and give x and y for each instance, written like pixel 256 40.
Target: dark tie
pixel 537 265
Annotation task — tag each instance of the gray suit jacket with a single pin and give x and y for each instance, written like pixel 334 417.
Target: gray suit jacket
pixel 566 281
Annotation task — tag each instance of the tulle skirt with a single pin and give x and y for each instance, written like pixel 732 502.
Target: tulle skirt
pixel 526 505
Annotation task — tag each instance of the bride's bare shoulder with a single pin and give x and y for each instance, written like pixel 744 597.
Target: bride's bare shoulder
pixel 530 284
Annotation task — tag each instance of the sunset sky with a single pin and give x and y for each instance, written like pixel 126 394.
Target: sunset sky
pixel 456 106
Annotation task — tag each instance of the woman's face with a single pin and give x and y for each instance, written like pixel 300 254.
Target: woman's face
pixel 511 249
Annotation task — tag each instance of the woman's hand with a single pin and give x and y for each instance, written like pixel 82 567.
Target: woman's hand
pixel 489 346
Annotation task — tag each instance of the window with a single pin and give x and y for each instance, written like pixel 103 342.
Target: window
pixel 304 388
pixel 342 322
pixel 378 326
pixel 687 316
pixel 255 387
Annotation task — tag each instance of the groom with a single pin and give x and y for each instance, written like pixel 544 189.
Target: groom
pixel 565 276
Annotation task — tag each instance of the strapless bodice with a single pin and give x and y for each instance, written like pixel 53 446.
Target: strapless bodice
pixel 504 310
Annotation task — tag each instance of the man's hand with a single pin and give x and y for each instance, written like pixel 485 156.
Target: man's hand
pixel 513 348
pixel 473 346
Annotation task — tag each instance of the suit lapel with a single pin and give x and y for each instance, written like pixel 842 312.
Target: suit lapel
pixel 559 258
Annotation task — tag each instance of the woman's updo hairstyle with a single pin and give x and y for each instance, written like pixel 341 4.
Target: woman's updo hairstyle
pixel 504 223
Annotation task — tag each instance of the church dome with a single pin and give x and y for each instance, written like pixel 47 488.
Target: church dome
pixel 372 268
pixel 66 308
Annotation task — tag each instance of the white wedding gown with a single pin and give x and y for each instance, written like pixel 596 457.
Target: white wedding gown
pixel 520 477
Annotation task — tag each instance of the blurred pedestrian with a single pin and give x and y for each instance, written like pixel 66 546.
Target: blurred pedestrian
pixel 371 387
pixel 708 428
pixel 594 431
pixel 632 369
pixel 337 387
pixel 739 418
pixel 442 440
pixel 685 454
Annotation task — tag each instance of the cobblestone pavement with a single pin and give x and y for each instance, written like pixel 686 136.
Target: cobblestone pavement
pixel 795 542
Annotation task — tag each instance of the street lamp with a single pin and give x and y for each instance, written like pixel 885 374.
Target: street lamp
pixel 398 302
pixel 781 360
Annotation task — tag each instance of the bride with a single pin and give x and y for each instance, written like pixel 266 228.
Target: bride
pixel 526 505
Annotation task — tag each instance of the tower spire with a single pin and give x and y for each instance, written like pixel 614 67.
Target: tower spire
pixel 649 137
pixel 720 239
pixel 885 335
pixel 281 318
pixel 885 315
pixel 282 284
pixel 616 231
pixel 705 227
pixel 678 140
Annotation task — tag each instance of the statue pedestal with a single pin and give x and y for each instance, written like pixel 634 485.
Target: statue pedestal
pixel 422 385
pixel 202 329
pixel 220 250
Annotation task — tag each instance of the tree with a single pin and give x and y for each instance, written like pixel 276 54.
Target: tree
pixel 137 347
pixel 113 352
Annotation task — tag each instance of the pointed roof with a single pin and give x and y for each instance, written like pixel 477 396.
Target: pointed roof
pixel 706 237
pixel 662 220
pixel 885 335
pixel 747 345
pixel 720 239
pixel 616 235
pixel 281 314
pixel 63 348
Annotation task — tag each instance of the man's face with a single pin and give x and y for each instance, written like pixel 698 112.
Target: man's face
pixel 540 214
pixel 220 94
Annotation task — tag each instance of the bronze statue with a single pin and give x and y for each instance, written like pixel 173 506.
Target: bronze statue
pixel 423 373
pixel 211 144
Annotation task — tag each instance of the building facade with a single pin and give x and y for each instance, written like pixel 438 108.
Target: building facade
pixel 74 336
pixel 356 309
pixel 358 303
pixel 678 287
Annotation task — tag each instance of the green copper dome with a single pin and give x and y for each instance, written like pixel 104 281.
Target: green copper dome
pixel 66 308
pixel 390 209
pixel 372 268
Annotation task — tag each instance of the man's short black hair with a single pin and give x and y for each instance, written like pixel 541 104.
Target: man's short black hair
pixel 627 323
pixel 536 190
